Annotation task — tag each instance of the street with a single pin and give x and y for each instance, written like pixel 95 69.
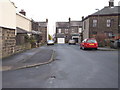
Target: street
pixel 72 68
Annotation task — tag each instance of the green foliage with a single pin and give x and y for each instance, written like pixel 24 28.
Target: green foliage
pixel 31 39
pixel 50 37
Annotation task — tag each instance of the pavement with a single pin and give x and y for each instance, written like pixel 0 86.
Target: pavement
pixel 30 58
pixel 106 49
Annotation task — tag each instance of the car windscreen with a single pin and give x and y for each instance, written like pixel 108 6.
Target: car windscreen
pixel 91 41
pixel 50 41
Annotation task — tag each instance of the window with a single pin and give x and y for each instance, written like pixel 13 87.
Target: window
pixel 84 24
pixel 94 23
pixel 59 30
pixel 94 32
pixel 109 34
pixel 108 23
pixel 80 30
pixel 73 30
pixel 91 41
pixel 66 30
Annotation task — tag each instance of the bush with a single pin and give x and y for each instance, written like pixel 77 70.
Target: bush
pixel 31 40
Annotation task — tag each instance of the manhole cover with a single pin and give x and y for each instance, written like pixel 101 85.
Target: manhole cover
pixel 57 59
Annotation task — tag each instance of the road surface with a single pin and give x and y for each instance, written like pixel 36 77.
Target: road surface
pixel 72 68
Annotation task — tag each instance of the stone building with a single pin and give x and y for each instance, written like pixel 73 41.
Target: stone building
pixel 35 29
pixel 103 24
pixel 42 27
pixel 7 28
pixel 68 30
pixel 23 27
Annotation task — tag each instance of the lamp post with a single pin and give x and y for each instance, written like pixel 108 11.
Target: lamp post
pixel 98 18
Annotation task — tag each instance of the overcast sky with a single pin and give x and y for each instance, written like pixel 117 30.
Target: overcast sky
pixel 59 10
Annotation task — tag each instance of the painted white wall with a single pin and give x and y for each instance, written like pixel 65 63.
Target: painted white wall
pixel 7 14
pixel 23 22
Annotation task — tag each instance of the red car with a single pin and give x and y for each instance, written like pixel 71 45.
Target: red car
pixel 89 43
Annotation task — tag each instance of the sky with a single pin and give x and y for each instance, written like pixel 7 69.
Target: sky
pixel 59 10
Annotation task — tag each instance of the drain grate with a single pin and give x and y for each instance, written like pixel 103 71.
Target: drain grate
pixel 53 77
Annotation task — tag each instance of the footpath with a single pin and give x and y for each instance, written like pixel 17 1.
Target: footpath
pixel 106 49
pixel 30 58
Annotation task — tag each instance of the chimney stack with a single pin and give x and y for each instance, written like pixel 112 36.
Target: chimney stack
pixel 46 20
pixel 69 19
pixel 82 17
pixel 111 3
pixel 23 12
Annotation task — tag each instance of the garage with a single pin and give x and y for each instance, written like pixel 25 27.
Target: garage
pixel 61 40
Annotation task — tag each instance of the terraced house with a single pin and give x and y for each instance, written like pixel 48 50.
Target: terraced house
pixel 41 28
pixel 17 32
pixel 7 28
pixel 103 24
pixel 68 30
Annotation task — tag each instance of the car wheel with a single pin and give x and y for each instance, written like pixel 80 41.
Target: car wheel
pixel 83 48
pixel 80 47
pixel 95 48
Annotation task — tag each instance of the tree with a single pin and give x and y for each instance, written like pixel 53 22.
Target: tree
pixel 49 37
pixel 100 37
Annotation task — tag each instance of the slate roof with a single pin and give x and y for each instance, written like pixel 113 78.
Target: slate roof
pixel 62 24
pixel 75 23
pixel 21 31
pixel 67 24
pixel 60 35
pixel 108 11
pixel 42 24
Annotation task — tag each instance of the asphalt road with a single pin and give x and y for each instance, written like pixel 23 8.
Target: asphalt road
pixel 72 68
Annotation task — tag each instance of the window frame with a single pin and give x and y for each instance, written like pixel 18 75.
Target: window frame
pixel 94 22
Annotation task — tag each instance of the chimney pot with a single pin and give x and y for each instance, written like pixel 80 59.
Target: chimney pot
pixel 23 12
pixel 111 3
pixel 82 17
pixel 69 19
pixel 47 20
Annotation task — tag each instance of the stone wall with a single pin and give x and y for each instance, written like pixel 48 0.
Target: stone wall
pixel 0 42
pixel 20 48
pixel 8 41
pixel 8 45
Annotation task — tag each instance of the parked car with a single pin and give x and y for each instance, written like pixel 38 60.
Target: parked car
pixel 71 42
pixel 89 43
pixel 50 42
pixel 115 43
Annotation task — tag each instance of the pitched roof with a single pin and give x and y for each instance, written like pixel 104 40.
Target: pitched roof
pixel 21 31
pixel 60 35
pixel 75 23
pixel 62 24
pixel 42 24
pixel 108 11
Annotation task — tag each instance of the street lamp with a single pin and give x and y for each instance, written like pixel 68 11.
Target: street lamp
pixel 98 17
